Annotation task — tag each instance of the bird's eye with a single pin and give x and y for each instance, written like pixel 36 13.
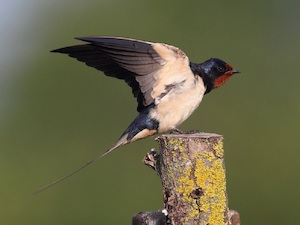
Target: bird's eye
pixel 221 69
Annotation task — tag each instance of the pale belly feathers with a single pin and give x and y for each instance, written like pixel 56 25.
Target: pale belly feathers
pixel 178 104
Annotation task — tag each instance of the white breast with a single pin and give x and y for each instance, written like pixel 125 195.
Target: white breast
pixel 176 106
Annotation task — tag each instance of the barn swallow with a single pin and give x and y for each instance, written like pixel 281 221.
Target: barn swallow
pixel 167 86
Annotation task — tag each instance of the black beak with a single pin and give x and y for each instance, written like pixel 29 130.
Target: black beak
pixel 235 71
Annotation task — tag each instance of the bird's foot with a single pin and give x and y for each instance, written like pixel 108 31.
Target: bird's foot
pixel 177 131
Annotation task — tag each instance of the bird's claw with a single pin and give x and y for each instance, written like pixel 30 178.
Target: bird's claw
pixel 177 131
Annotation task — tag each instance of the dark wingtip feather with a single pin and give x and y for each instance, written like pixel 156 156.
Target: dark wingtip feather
pixel 55 50
pixel 67 49
pixel 60 50
pixel 72 49
pixel 79 38
pixel 90 38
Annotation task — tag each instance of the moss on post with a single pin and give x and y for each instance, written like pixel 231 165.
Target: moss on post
pixel 192 171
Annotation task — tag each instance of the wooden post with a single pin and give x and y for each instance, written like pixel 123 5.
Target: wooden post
pixel 192 171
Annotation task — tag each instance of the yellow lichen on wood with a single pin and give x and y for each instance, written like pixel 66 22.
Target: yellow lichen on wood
pixel 184 189
pixel 177 146
pixel 210 176
pixel 197 188
pixel 184 184
pixel 218 147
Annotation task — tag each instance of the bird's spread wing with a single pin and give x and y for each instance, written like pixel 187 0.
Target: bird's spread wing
pixel 148 68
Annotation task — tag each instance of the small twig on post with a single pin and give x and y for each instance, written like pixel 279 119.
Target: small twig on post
pixel 234 218
pixel 153 218
pixel 192 171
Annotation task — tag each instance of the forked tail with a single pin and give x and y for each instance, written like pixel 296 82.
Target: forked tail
pixel 122 141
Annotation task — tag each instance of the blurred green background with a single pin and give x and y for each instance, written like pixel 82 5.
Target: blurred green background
pixel 56 113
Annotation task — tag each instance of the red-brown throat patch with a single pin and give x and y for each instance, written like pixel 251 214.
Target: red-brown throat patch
pixel 222 79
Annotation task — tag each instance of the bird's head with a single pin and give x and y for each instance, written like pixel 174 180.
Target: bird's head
pixel 216 73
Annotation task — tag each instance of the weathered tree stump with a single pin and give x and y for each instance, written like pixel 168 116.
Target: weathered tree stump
pixel 192 171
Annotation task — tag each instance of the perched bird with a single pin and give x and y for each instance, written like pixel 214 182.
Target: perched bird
pixel 167 86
